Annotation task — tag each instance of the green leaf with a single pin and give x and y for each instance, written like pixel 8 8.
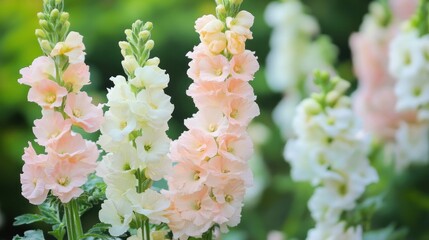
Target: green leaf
pixel 58 231
pixel 27 219
pixel 387 233
pixel 97 236
pixel 49 210
pixel 99 228
pixel 31 235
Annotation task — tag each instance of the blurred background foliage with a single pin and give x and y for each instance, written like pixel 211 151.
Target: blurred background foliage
pixel 281 204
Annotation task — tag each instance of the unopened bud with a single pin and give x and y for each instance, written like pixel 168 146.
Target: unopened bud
pixel 130 63
pixel 148 26
pixel 58 2
pixel 149 45
pixel 40 15
pixel 64 17
pixel 236 2
pixel 153 61
pixel 144 35
pixel 311 106
pixel 342 86
pixel 40 34
pixel 221 11
pixel 46 46
pixel 333 97
pixel 44 24
pixel 55 13
pixel 128 33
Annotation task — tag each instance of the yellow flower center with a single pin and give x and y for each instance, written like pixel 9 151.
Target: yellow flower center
pixel 77 113
pixel 229 198
pixel 50 98
pixel 64 181
pixel 123 125
pixel 212 127
pixel 196 176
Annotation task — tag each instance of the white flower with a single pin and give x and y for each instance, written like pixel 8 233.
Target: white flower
pixel 152 145
pixel 404 59
pixel 119 214
pixel 412 92
pixel 412 145
pixel 337 231
pixel 149 203
pixel 158 168
pixel 284 113
pixel 118 124
pixel 152 108
pixel 150 77
pixel 121 94
pixel 118 184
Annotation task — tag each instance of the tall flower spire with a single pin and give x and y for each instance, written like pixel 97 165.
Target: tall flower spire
pixel 135 140
pixel 330 153
pixel 211 171
pixel 55 81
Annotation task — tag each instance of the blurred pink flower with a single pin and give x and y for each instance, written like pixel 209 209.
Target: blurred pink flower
pixel 403 9
pixel 82 112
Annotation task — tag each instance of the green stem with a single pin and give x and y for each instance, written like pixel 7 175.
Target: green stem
pixel 147 229
pixel 73 223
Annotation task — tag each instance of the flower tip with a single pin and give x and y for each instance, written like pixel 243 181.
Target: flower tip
pixel 148 26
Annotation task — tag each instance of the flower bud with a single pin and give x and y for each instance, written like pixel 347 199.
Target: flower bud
pixel 149 45
pixel 130 64
pixel 128 33
pixel 221 12
pixel 311 106
pixel 153 61
pixel 46 46
pixel 55 13
pixel 342 86
pixel 40 15
pixel 144 35
pixel 333 97
pixel 40 34
pixel 64 17
pixel 236 2
pixel 148 26
pixel 45 25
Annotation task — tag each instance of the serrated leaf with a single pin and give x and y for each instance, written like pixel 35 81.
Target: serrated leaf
pixel 97 236
pixel 49 212
pixel 31 235
pixel 27 219
pixel 99 228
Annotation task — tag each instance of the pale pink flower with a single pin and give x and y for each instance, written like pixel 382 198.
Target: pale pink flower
pixel 194 145
pixel 209 68
pixel 207 94
pixel 48 94
pixel 50 127
pixel 221 169
pixel 235 147
pixel 238 88
pixel 403 9
pixel 229 197
pixel 64 179
pixel 76 76
pixel 41 69
pixel 210 29
pixel 241 111
pixel 241 23
pixel 244 65
pixel 30 156
pixel 187 177
pixel 201 22
pixel 33 183
pixel 210 121
pixel 236 42
pixel 72 47
pixel 82 112
pixel 198 51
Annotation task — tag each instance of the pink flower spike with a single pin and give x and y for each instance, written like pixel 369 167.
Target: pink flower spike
pixel 48 94
pixel 68 148
pixel 209 68
pixel 211 121
pixel 72 47
pixel 33 184
pixel 50 127
pixel 193 145
pixel 188 177
pixel 76 76
pixel 82 112
pixel 235 148
pixel 41 69
pixel 244 65
pixel 241 111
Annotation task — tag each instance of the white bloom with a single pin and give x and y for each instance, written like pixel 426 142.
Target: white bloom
pixel 335 232
pixel 158 168
pixel 118 184
pixel 412 145
pixel 150 77
pixel 121 94
pixel 152 108
pixel 149 203
pixel 118 124
pixel 404 60
pixel 119 214
pixel 152 145
pixel 284 113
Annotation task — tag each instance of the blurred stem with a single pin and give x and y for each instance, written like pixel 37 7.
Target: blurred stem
pixel 147 229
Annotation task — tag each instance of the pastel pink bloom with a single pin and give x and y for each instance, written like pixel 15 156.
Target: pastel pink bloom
pixel 376 108
pixel 197 207
pixel 72 47
pixel 236 42
pixel 221 169
pixel 33 181
pixel 201 22
pixel 50 127
pixel 207 94
pixel 235 147
pixel 229 197
pixel 209 68
pixel 241 111
pixel 83 113
pixel 244 65
pixel 65 178
pixel 403 9
pixel 238 88
pixel 76 76
pixel 210 29
pixel 71 147
pixel 194 145
pixel 200 50
pixel 48 94
pixel 369 59
pixel 30 156
pixel 187 177
pixel 241 24
pixel 212 121
pixel 41 69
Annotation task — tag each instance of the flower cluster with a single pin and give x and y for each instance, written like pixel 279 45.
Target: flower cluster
pixel 330 153
pixel 134 138
pixel 296 49
pixel 209 179
pixel 375 100
pixel 56 80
